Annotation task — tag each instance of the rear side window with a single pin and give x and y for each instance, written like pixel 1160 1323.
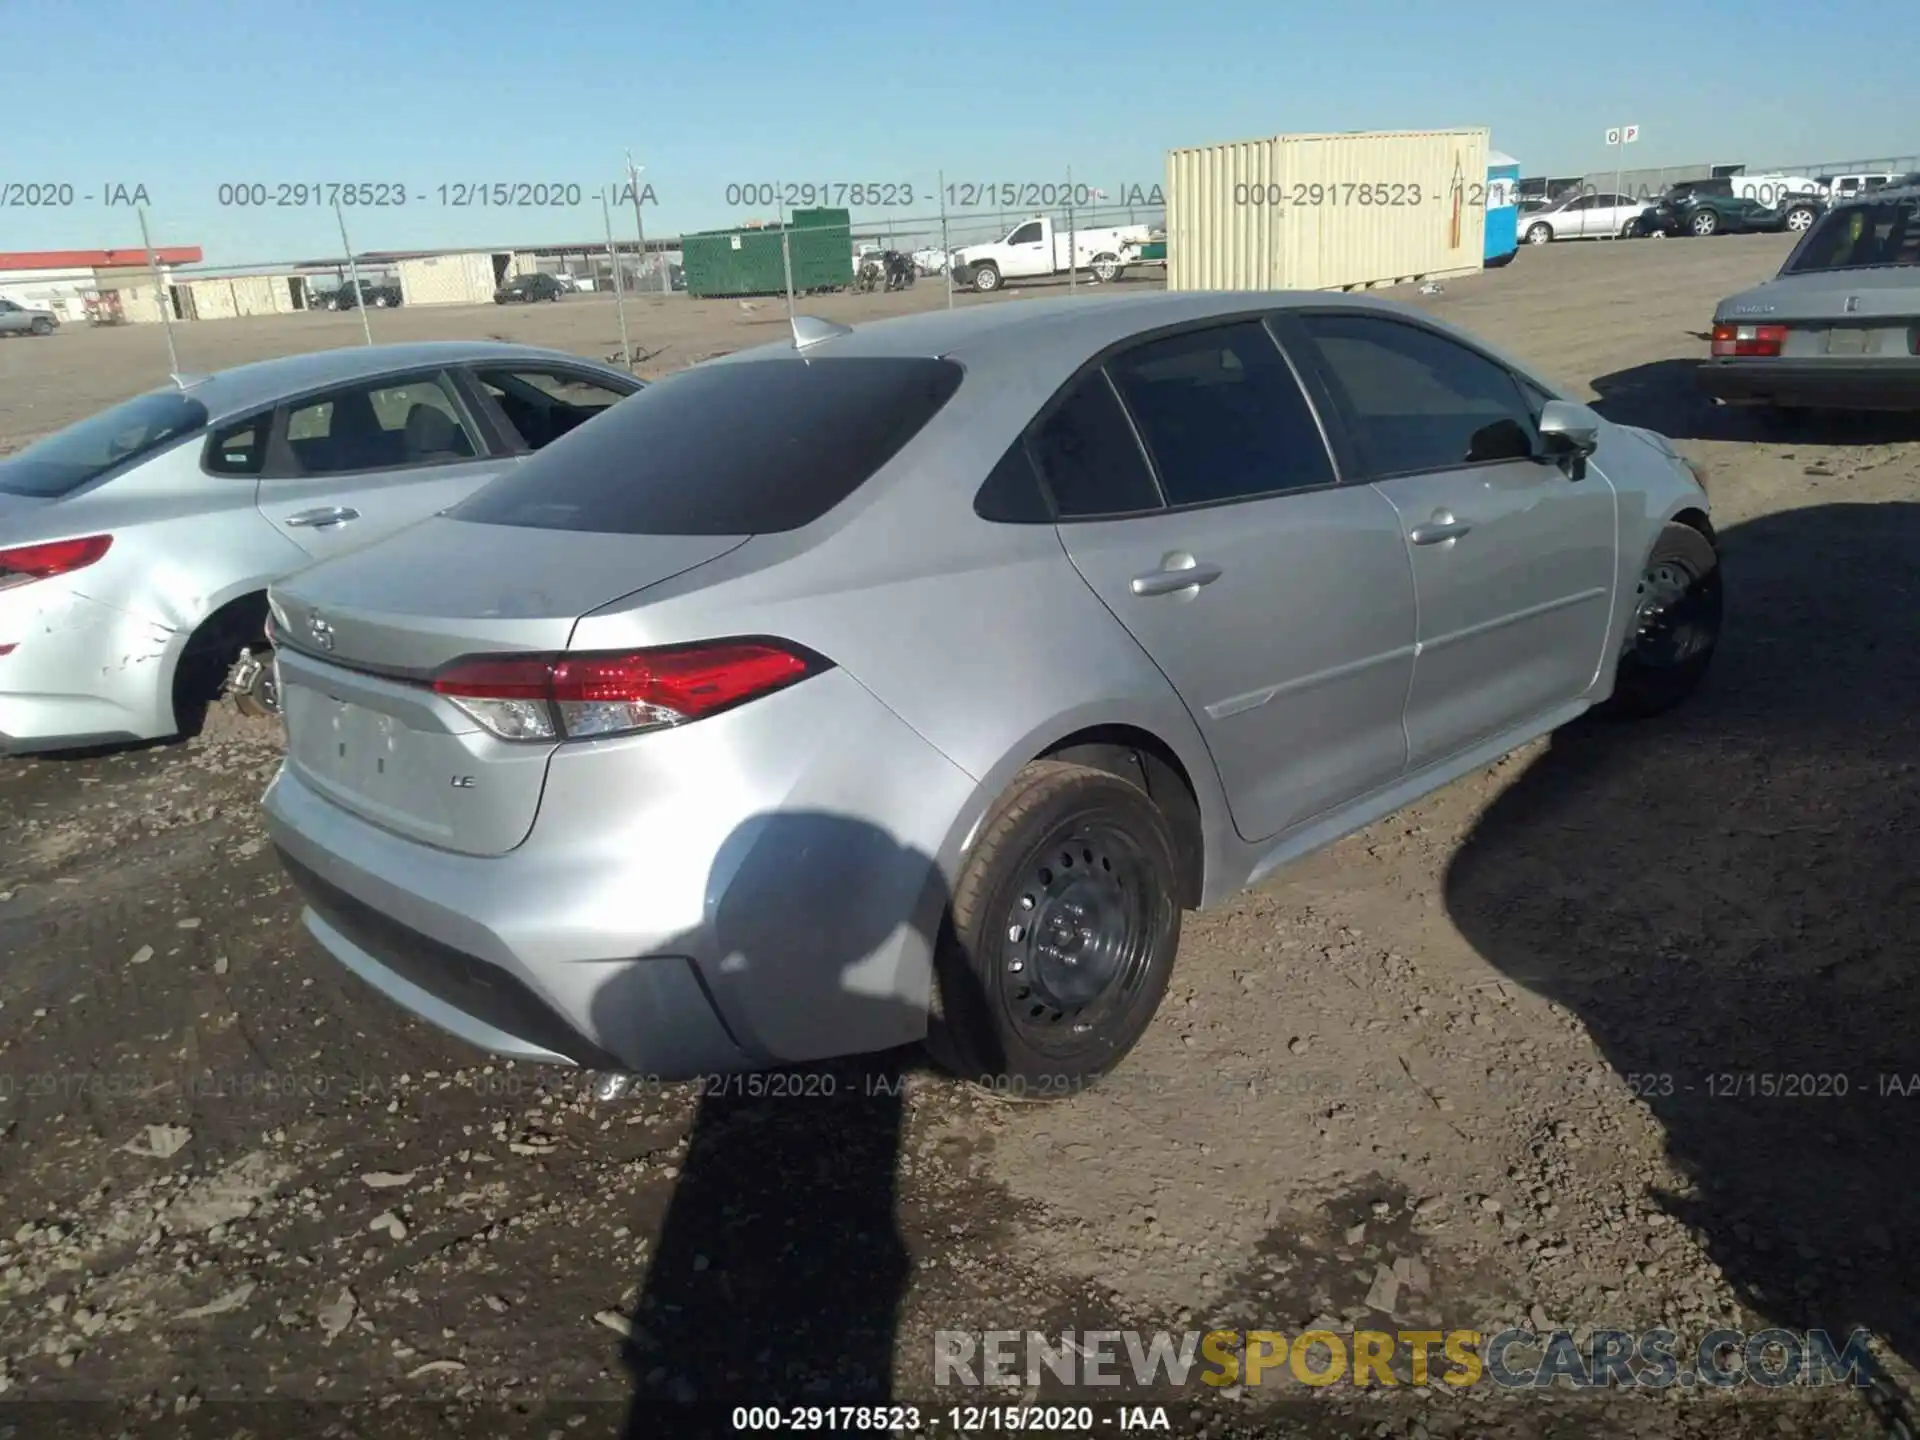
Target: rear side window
pixel 1871 233
pixel 67 459
pixel 1088 457
pixel 1222 415
pixel 240 449
pixel 737 449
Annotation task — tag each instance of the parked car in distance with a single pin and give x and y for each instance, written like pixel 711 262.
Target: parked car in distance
pixel 719 735
pixel 1582 216
pixel 1036 248
pixel 525 289
pixel 17 319
pixel 377 296
pixel 1839 326
pixel 1704 208
pixel 1845 187
pixel 136 545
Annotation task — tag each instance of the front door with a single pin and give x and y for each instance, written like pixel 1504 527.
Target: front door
pixel 1513 561
pixel 1028 252
pixel 357 464
pixel 1277 602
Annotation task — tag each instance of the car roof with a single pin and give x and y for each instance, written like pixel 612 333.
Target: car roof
pixel 1060 335
pixel 247 387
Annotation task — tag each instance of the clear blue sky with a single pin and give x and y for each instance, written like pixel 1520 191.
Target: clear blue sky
pixel 183 96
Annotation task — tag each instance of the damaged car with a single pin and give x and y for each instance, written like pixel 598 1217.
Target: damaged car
pixel 136 546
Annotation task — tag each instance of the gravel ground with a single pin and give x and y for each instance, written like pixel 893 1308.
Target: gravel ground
pixel 1614 1033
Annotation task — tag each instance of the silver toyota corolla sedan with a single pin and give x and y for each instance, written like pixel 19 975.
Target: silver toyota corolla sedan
pixel 910 681
pixel 136 545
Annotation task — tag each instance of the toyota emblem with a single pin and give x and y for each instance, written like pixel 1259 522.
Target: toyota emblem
pixel 321 631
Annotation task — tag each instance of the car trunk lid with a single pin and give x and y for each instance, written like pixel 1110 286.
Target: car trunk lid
pixel 360 637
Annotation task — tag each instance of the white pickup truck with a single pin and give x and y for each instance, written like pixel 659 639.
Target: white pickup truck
pixel 1038 247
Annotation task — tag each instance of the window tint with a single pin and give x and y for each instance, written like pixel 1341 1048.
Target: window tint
pixel 1416 400
pixel 1027 234
pixel 69 458
pixel 543 405
pixel 1872 232
pixel 1222 415
pixel 378 426
pixel 240 449
pixel 1011 493
pixel 732 449
pixel 1088 457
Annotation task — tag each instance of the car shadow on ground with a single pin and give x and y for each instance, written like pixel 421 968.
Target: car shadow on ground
pixel 1665 395
pixel 780 1267
pixel 1729 898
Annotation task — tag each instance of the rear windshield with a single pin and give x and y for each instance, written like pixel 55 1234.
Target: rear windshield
pixel 69 458
pixel 748 448
pixel 1855 237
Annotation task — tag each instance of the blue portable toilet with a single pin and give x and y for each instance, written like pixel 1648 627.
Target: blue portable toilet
pixel 1503 208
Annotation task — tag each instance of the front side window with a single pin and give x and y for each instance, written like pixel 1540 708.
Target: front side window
pixel 1416 400
pixel 1222 415
pixel 543 405
pixel 378 425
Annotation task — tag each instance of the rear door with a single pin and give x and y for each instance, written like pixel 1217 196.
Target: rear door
pixel 354 464
pixel 1513 562
pixel 1277 601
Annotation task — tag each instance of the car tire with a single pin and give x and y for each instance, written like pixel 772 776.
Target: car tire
pixel 1800 219
pixel 986 277
pixel 41 326
pixel 1539 234
pixel 1012 1010
pixel 1676 626
pixel 1107 268
pixel 1704 224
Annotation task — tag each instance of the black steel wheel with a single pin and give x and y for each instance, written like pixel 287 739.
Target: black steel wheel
pixel 1675 627
pixel 1063 930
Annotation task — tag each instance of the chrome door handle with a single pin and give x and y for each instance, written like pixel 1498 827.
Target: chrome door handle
pixel 315 519
pixel 1441 527
pixel 1175 578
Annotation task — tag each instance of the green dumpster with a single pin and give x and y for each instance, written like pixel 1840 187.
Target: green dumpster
pixel 749 261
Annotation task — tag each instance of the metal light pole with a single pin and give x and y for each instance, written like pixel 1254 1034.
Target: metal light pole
pixel 639 225
pixel 1073 240
pixel 159 292
pixel 619 294
pixel 353 273
pixel 946 250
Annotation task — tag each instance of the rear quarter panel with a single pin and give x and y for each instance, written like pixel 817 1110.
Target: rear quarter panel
pixel 980 636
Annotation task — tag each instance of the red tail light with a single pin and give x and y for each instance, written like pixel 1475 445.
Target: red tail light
pixel 26 563
pixel 1748 339
pixel 573 697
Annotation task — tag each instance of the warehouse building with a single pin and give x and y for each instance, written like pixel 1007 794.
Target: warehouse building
pixel 63 280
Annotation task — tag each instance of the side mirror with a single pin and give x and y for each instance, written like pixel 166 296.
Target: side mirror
pixel 1569 433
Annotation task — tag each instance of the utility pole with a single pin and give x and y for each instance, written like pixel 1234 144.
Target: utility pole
pixel 619 291
pixel 640 225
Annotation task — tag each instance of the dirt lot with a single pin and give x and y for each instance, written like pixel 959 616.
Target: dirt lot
pixel 1521 1039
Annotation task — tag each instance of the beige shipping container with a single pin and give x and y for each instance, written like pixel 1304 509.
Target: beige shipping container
pixel 464 279
pixel 212 299
pixel 1327 212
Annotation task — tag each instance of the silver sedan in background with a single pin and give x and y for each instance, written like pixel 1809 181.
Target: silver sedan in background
pixel 136 545
pixel 911 680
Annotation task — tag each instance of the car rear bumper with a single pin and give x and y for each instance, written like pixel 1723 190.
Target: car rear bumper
pixel 751 890
pixel 75 671
pixel 1884 384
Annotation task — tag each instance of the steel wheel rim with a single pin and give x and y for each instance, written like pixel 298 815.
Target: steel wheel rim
pixel 1671 623
pixel 1080 934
